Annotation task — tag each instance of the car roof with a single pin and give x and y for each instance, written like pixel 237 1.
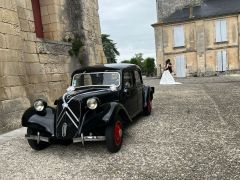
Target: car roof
pixel 106 67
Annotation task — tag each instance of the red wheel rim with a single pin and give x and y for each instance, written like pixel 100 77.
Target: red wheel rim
pixel 149 106
pixel 118 133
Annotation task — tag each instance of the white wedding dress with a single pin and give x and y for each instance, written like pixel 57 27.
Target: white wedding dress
pixel 167 78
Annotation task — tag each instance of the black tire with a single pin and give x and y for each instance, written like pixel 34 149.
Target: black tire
pixel 114 135
pixel 148 109
pixel 33 143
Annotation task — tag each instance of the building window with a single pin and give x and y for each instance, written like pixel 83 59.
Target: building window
pixel 37 18
pixel 221 31
pixel 221 61
pixel 179 37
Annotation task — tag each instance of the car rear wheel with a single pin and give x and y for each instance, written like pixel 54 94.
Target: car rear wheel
pixel 33 143
pixel 148 109
pixel 114 135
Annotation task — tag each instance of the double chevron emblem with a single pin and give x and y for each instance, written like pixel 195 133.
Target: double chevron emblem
pixel 70 115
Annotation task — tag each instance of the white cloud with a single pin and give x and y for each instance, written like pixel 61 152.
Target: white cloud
pixel 129 25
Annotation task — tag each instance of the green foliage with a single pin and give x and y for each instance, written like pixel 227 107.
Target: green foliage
pixel 77 44
pixel 147 65
pixel 109 48
pixel 138 60
pixel 126 61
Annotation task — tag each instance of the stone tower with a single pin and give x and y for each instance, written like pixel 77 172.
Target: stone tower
pixel 166 7
pixel 34 45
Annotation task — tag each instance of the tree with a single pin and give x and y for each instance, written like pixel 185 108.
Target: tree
pixel 138 60
pixel 109 48
pixel 149 66
pixel 126 62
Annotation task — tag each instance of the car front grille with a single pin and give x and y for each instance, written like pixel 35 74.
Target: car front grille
pixel 68 120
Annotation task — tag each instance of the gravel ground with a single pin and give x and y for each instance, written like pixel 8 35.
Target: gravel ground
pixel 193 133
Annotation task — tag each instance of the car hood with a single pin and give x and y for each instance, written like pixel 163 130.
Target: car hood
pixel 101 93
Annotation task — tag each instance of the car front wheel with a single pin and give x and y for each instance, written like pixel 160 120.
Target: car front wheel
pixel 33 143
pixel 114 135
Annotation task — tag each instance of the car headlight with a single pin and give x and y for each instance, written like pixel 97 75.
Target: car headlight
pixel 92 103
pixel 39 105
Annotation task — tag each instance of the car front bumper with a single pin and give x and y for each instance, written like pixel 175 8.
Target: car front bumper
pixel 81 139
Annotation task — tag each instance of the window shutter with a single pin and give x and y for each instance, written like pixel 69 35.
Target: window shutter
pixel 218 31
pixel 224 30
pixel 179 38
pixel 224 61
pixel 219 61
pixel 178 65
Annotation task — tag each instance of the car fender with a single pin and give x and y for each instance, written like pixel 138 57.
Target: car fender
pixel 43 121
pixel 148 93
pixel 115 109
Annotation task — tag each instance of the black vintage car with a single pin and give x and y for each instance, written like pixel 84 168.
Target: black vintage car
pixel 101 100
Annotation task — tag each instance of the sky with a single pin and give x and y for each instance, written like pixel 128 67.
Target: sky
pixel 129 25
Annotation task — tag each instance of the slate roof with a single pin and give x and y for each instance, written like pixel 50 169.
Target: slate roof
pixel 209 8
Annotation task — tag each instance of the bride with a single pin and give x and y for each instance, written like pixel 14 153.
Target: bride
pixel 167 78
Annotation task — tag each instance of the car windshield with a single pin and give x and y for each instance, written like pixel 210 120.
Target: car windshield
pixel 96 79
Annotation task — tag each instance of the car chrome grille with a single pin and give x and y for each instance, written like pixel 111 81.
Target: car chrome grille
pixel 68 120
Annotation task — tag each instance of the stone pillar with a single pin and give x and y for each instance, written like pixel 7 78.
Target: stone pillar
pixel 92 32
pixel 201 49
pixel 159 49
pixel 85 13
pixel 53 24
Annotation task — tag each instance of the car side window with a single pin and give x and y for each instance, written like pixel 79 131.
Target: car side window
pixel 137 77
pixel 128 79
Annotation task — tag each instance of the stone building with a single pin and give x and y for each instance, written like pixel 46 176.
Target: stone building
pixel 200 37
pixel 34 59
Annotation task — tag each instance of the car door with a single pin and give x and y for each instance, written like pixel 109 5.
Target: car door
pixel 129 93
pixel 139 86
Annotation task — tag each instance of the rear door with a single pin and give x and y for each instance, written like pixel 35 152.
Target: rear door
pixel 129 93
pixel 139 86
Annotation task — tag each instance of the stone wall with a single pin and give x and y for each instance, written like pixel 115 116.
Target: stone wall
pixel 63 19
pixel 13 96
pixel 166 7
pixel 32 68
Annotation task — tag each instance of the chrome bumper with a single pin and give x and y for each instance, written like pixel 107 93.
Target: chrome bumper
pixel 83 139
pixel 37 138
